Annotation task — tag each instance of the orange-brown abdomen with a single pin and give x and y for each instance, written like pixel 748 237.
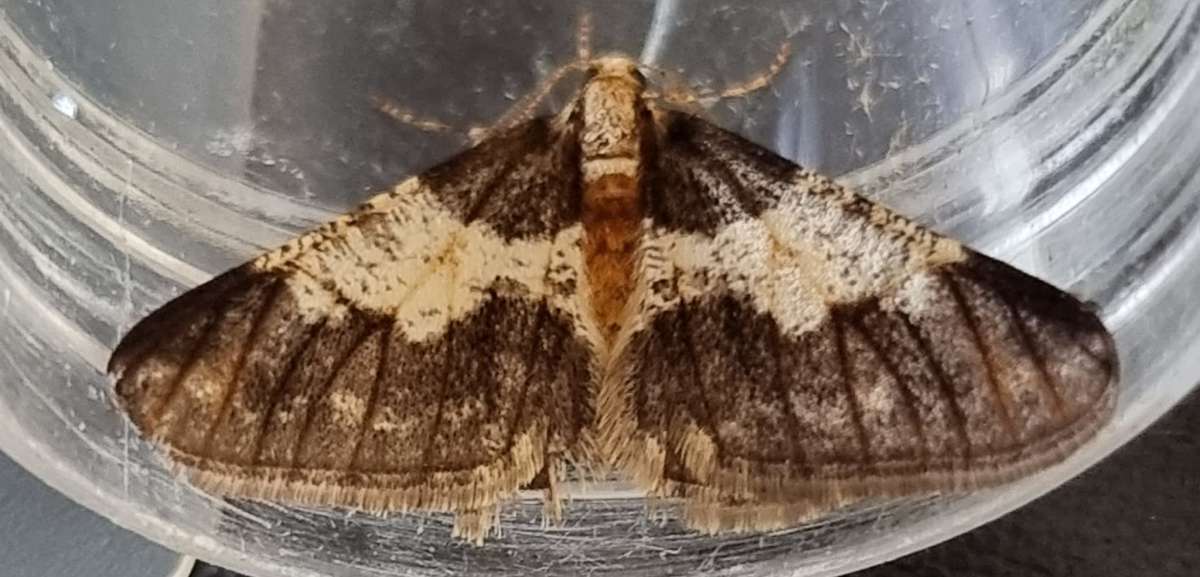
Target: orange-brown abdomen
pixel 612 215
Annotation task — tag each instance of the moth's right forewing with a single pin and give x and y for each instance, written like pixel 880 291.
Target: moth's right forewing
pixel 797 347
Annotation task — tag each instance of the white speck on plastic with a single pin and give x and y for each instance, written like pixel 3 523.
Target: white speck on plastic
pixel 66 105
pixel 227 143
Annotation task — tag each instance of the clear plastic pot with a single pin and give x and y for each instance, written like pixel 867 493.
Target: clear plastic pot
pixel 147 145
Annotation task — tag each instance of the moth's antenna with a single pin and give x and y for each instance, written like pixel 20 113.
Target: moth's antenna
pixel 763 79
pixel 686 96
pixel 583 38
pixel 523 109
pixel 402 115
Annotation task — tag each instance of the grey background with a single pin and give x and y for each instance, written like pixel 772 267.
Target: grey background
pixel 44 534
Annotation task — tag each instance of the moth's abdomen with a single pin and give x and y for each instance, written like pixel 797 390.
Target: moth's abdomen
pixel 612 215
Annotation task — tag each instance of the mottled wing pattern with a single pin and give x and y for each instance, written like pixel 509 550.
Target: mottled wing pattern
pixel 796 346
pixel 424 352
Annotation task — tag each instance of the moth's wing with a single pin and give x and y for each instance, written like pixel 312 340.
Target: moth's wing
pixel 424 352
pixel 795 346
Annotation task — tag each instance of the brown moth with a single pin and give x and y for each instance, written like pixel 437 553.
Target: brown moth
pixel 621 284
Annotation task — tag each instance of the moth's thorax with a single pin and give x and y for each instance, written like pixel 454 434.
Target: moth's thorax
pixel 611 102
pixel 610 143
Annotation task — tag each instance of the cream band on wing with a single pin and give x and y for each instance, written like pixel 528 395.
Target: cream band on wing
pixel 793 262
pixel 440 269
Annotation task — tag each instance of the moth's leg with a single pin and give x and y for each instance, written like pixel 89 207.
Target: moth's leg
pixel 685 97
pixel 583 38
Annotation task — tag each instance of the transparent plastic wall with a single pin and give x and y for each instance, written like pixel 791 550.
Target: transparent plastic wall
pixel 146 145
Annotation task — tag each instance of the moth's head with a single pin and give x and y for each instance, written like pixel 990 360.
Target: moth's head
pixel 615 68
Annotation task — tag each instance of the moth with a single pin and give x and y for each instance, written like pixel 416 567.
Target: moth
pixel 620 285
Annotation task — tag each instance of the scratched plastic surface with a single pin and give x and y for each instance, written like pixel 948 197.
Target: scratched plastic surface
pixel 148 145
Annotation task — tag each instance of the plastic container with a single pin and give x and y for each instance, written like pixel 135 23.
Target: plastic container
pixel 147 145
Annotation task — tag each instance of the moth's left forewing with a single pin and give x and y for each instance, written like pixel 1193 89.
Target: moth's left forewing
pixel 798 346
pixel 427 351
